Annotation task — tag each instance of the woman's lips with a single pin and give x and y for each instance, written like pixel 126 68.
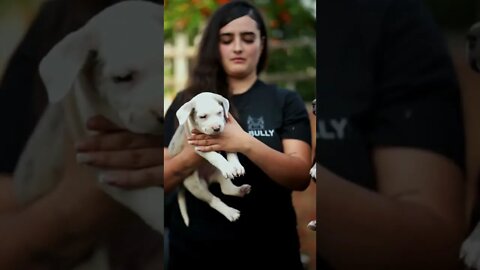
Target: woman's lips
pixel 238 60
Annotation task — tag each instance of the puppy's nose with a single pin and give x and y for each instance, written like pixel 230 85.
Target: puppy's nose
pixel 216 129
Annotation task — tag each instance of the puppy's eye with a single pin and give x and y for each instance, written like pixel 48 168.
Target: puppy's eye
pixel 202 116
pixel 220 113
pixel 125 78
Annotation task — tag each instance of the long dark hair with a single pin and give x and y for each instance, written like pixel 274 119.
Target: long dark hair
pixel 208 73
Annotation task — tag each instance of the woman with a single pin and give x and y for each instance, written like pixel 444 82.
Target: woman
pixel 271 133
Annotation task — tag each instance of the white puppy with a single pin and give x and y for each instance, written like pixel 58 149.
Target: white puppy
pixel 207 112
pixel 112 66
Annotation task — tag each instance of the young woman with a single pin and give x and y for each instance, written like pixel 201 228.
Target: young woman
pixel 271 132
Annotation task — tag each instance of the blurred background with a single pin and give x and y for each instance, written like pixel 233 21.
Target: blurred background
pixel 291 63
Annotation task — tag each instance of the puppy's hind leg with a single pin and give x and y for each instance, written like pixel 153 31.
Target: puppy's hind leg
pixel 228 188
pixel 193 183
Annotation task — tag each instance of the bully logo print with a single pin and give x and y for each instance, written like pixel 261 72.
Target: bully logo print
pixel 256 127
pixel 332 129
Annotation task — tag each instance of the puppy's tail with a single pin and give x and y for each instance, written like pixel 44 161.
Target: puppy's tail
pixel 182 204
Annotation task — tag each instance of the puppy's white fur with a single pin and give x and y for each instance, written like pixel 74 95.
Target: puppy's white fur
pixel 470 249
pixel 207 112
pixel 112 66
pixel 312 225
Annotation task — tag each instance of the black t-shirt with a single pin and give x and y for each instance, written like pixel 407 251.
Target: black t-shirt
pixel 268 220
pixel 384 78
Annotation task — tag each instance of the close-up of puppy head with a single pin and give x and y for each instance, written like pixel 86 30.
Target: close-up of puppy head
pixel 117 57
pixel 208 112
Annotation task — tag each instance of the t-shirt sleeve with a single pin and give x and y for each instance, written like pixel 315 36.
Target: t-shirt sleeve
pixel 296 123
pixel 418 100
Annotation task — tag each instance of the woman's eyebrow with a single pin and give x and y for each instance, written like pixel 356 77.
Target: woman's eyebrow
pixel 241 33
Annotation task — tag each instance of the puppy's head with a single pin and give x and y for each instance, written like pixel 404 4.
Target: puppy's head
pixel 208 112
pixel 124 44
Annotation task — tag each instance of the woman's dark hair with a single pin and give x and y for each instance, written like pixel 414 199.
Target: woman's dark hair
pixel 208 73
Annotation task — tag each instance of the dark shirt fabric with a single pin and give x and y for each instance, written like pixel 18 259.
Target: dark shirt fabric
pixel 384 78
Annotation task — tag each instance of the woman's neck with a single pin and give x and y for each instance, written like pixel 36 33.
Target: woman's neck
pixel 241 85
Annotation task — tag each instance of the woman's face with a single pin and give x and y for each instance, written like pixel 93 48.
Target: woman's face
pixel 240 47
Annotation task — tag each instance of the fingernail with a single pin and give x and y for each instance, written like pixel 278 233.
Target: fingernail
pixel 106 178
pixel 84 158
pixel 190 142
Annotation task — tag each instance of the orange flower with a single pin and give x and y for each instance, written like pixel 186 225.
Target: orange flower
pixel 285 16
pixel 273 23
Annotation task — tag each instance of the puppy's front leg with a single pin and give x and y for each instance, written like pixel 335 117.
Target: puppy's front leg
pixel 233 160
pixel 217 160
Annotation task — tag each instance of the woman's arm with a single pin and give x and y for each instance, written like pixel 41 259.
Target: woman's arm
pixel 177 168
pixel 289 168
pixel 416 221
pixel 59 228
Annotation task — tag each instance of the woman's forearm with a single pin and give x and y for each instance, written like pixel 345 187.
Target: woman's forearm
pixel 36 238
pixel 361 228
pixel 289 171
pixel 177 168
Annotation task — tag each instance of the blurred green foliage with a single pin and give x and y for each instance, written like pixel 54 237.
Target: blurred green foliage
pixel 285 19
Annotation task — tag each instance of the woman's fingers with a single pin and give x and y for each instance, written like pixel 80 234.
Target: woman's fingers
pixel 118 141
pixel 132 179
pixel 123 160
pixel 100 123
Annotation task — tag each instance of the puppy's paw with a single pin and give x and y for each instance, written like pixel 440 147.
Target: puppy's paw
pixel 231 214
pixel 312 225
pixel 313 172
pixel 239 170
pixel 245 189
pixel 228 171
pixel 470 253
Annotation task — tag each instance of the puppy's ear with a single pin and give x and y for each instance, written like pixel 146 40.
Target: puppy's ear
pixel 61 66
pixel 225 104
pixel 184 112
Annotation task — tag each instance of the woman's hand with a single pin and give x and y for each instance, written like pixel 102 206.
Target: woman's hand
pixel 232 139
pixel 130 160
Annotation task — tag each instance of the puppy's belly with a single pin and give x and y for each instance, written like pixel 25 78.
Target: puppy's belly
pixel 206 170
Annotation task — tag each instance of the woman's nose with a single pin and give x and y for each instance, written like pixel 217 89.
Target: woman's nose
pixel 237 46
